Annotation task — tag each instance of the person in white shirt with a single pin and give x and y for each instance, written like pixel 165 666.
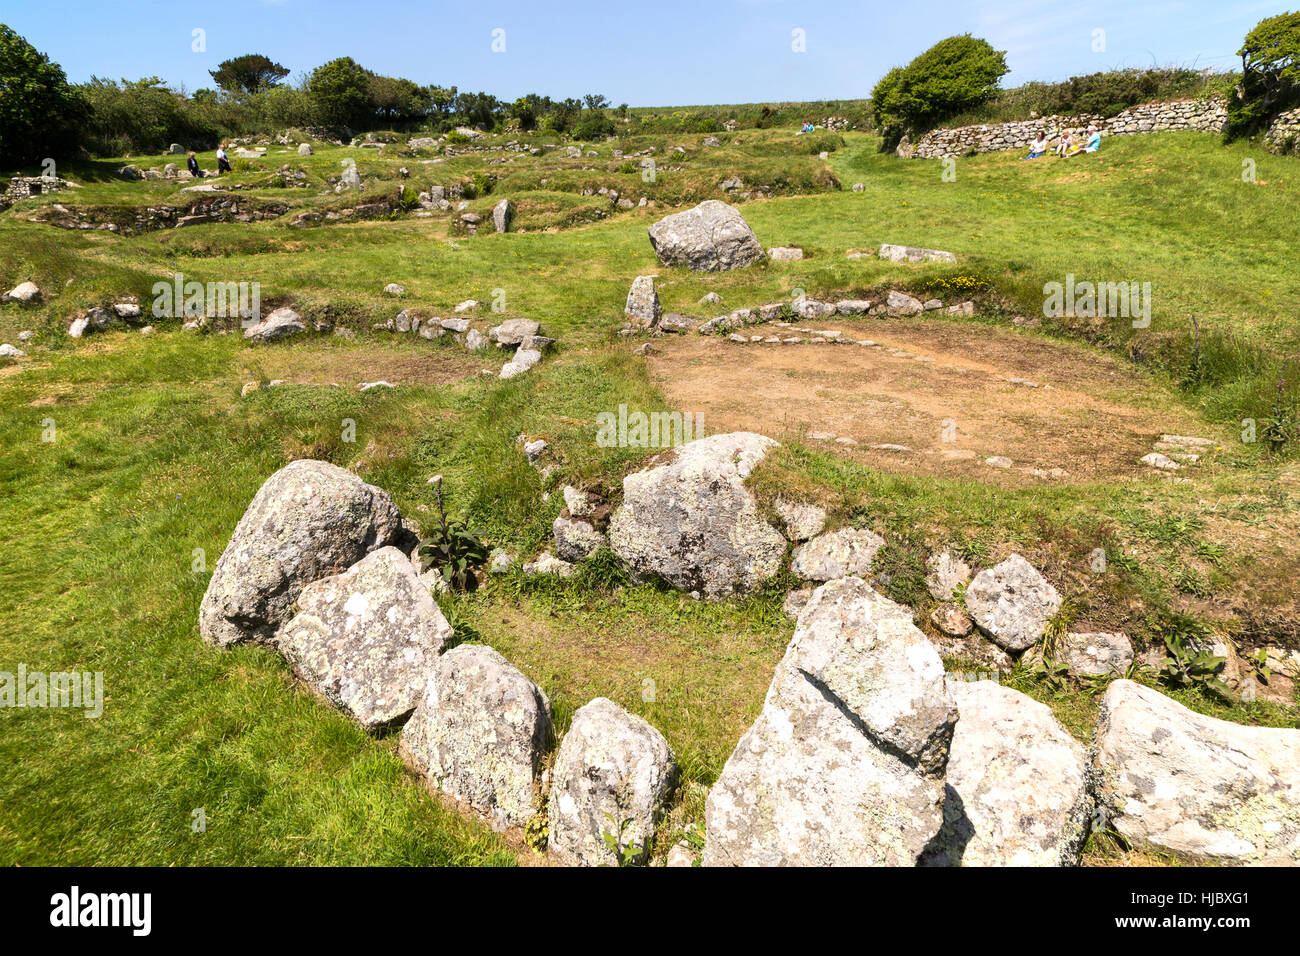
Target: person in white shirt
pixel 223 162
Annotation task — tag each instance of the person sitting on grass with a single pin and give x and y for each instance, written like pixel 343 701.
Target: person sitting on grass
pixel 1038 148
pixel 1065 145
pixel 1090 145
pixel 193 164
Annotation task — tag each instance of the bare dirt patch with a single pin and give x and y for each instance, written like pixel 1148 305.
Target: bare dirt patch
pixel 949 396
pixel 350 366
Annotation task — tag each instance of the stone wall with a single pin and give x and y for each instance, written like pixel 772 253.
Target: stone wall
pixel 1205 115
pixel 1284 135
pixel 24 187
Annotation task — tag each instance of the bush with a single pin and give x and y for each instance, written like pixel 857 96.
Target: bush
pixel 39 112
pixel 141 117
pixel 955 74
pixel 594 125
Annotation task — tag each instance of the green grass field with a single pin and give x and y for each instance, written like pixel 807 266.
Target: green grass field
pixel 155 454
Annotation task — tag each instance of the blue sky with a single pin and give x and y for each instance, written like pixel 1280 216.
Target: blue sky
pixel 669 52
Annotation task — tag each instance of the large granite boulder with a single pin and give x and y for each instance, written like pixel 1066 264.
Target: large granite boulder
pixel 1017 784
pixel 367 638
pixel 1171 778
pixel 1012 603
pixel 612 774
pixel 480 732
pixel 837 554
pixel 712 237
pixel 502 215
pixel 690 520
pixel 308 520
pixel 845 764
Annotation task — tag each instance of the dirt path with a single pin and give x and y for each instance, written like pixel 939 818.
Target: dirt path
pixel 932 397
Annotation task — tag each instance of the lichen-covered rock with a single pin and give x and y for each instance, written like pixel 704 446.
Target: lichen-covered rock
pixel 1175 779
pixel 502 214
pixel 1012 603
pixel 643 308
pixel 690 519
pixel 802 521
pixel 894 253
pixel 547 563
pixel 711 237
pixel 945 574
pixel 512 331
pixel 280 324
pixel 845 764
pixel 612 774
pixel 1097 654
pixel 575 538
pixel 308 520
pixel 1017 784
pixel 837 554
pixel 480 732
pixel 367 638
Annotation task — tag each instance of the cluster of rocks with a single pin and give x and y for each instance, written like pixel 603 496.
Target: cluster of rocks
pixel 322 568
pixel 1173 452
pixel 1205 115
pixel 644 313
pixel 522 337
pixel 214 208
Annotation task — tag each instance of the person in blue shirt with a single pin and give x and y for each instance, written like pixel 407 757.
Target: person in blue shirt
pixel 1090 145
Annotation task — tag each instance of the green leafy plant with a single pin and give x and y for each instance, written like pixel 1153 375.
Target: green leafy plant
pixel 629 854
pixel 451 549
pixel 1280 428
pixel 1187 665
pixel 537 831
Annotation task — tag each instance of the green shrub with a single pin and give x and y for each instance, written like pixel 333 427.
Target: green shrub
pixel 594 125
pixel 956 74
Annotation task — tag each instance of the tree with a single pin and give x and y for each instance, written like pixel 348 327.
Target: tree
pixel 340 90
pixel 248 74
pixel 594 101
pixel 478 109
pixel 397 99
pixel 955 75
pixel 1270 74
pixel 39 112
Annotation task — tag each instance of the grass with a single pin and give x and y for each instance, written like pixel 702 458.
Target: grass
pixel 156 455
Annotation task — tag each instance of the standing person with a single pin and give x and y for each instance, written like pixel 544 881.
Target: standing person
pixel 223 162
pixel 193 164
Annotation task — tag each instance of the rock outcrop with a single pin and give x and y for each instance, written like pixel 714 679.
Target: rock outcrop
pixel 845 764
pixel 612 774
pixel 690 520
pixel 712 237
pixel 367 638
pixel 308 520
pixel 1171 778
pixel 1017 784
pixel 479 733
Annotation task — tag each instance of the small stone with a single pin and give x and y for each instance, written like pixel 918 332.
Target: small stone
pixel 837 554
pixel 802 521
pixel 1098 654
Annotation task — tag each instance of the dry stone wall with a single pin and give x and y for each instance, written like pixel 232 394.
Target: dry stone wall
pixel 1204 115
